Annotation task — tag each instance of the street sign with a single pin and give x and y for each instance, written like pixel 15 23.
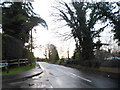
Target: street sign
pixel 3 64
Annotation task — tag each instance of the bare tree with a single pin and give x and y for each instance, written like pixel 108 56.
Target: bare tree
pixel 81 18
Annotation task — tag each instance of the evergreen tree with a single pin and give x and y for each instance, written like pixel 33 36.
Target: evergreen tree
pixel 18 19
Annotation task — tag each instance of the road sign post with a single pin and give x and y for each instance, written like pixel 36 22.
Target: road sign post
pixel 4 65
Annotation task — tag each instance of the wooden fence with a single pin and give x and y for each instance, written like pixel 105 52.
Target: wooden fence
pixel 14 63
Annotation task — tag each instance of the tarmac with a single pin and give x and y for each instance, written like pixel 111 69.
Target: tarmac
pixel 23 75
pixel 57 76
pixel 37 70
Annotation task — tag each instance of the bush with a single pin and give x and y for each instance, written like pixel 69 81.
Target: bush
pixel 31 56
pixel 11 47
pixel 88 63
pixel 111 63
pixel 73 61
pixel 92 63
pixel 69 62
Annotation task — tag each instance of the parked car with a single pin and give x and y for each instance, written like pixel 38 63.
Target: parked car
pixel 112 58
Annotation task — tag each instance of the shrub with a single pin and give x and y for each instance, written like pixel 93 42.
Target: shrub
pixel 111 63
pixel 11 47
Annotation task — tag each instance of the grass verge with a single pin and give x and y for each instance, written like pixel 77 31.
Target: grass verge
pixel 109 69
pixel 101 69
pixel 19 69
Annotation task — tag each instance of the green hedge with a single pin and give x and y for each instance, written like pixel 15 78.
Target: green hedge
pixel 11 47
pixel 111 63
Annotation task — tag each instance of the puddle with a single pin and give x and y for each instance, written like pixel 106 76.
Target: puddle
pixel 47 79
pixel 36 77
pixel 51 73
pixel 31 84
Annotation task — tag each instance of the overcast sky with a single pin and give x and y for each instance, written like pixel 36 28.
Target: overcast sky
pixel 44 36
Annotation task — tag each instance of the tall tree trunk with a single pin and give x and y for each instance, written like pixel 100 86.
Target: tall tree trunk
pixel 87 48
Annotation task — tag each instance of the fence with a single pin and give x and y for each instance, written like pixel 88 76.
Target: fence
pixel 14 63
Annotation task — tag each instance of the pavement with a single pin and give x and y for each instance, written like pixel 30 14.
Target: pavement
pixel 23 75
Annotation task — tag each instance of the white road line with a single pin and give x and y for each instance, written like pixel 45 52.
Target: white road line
pixel 76 76
pixel 51 86
pixel 42 67
pixel 45 71
pixel 69 73
pixel 81 77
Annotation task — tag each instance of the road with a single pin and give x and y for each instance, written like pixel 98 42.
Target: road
pixel 58 76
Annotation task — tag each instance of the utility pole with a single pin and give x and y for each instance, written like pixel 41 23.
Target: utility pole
pixel 68 54
pixel 31 50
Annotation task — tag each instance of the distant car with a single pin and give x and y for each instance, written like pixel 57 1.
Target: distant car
pixel 112 58
pixel 118 58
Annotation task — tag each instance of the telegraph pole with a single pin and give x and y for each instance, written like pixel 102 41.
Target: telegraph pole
pixel 31 50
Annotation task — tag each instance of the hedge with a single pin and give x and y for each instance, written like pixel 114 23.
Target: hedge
pixel 11 47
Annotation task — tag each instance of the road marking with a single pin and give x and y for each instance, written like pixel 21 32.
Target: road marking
pixel 42 67
pixel 81 77
pixel 51 86
pixel 76 76
pixel 70 73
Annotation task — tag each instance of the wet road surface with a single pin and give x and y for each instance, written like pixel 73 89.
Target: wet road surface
pixel 58 76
